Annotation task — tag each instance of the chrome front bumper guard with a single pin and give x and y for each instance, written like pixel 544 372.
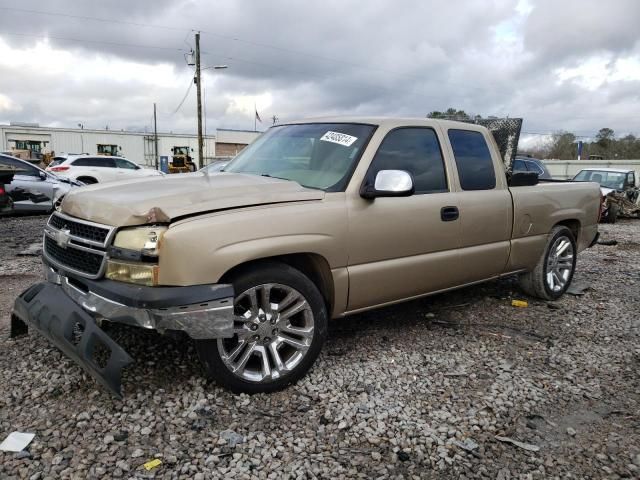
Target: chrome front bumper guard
pixel 211 319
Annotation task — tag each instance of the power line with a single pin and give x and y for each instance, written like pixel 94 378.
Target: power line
pixel 184 98
pixel 229 37
pixel 86 17
pixel 80 40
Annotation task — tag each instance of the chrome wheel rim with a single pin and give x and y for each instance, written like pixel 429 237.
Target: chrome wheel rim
pixel 273 331
pixel 559 264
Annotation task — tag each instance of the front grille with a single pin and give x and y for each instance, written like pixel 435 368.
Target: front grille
pixel 79 260
pixel 81 230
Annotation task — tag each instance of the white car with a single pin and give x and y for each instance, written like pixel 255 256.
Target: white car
pixel 99 169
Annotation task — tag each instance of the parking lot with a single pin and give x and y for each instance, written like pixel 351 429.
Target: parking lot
pixel 419 390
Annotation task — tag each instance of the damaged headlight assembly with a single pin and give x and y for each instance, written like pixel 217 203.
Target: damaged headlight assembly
pixel 133 258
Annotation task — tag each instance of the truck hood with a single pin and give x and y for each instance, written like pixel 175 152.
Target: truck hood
pixel 166 198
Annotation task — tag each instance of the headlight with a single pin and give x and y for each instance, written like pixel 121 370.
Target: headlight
pixel 145 240
pixel 140 273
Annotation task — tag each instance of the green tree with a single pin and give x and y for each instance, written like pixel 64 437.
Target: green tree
pixel 451 114
pixel 605 137
pixel 563 146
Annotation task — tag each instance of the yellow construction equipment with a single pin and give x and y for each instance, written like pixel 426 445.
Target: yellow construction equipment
pixel 181 161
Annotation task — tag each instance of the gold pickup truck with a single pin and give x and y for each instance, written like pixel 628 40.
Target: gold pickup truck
pixel 314 221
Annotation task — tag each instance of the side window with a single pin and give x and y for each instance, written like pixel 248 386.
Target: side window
pixel 519 166
pixel 473 159
pixel 103 162
pixel 25 169
pixel 417 151
pixel 82 162
pixel 534 167
pixel 121 163
pixel 631 179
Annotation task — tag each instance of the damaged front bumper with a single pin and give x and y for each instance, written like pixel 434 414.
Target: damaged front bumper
pixel 69 310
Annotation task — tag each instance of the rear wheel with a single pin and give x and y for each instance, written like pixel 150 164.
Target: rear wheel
pixel 553 273
pixel 280 326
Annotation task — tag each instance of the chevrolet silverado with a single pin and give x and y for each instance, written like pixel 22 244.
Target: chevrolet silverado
pixel 315 220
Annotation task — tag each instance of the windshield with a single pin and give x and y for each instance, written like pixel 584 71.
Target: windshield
pixel 315 155
pixel 614 180
pixel 215 167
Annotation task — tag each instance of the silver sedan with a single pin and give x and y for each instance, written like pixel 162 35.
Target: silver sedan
pixel 32 190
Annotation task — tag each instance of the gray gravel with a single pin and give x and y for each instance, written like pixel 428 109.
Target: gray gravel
pixel 420 390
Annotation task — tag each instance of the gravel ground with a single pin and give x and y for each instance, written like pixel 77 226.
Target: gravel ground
pixel 420 390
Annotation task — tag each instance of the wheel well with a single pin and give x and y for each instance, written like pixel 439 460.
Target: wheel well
pixel 314 266
pixel 573 225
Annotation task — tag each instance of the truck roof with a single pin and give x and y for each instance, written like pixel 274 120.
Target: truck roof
pixel 386 121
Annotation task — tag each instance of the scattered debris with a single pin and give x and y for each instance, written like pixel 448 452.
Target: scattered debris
pixel 231 437
pixel 608 243
pixel 571 432
pixel 456 374
pixel 526 446
pixel 33 250
pixel 553 306
pixel 16 441
pixel 151 464
pixel 520 303
pixel 577 288
pixel 468 444
pixel 403 456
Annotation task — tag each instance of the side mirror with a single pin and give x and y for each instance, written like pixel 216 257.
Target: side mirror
pixel 389 183
pixel 42 175
pixel 523 179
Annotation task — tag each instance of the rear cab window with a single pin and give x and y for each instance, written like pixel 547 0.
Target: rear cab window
pixel 473 160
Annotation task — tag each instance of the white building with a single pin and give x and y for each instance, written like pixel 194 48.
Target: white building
pixel 136 146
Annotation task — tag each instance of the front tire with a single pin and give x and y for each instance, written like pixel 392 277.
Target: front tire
pixel 280 327
pixel 553 273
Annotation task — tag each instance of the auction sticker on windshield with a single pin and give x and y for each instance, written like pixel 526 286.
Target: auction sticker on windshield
pixel 340 138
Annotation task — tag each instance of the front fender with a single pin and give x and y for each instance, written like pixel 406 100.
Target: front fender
pixel 202 249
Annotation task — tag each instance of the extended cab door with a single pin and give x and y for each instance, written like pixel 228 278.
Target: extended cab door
pixel 486 210
pixel 401 247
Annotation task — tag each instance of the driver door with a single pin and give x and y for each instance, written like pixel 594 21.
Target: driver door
pixel 402 247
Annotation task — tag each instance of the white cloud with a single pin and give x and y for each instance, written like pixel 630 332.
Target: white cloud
pixel 7 105
pixel 594 72
pixel 570 65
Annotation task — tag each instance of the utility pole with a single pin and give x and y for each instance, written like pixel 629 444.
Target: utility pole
pixel 199 94
pixel 155 133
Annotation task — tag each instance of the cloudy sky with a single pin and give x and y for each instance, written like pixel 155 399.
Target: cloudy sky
pixel 570 65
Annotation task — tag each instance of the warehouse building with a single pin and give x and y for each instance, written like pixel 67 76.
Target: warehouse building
pixel 136 146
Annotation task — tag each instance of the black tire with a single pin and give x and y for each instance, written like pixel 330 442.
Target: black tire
pixel 274 273
pixel 535 282
pixel 87 180
pixel 612 214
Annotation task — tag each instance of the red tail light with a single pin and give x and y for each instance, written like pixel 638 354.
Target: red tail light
pixel 59 169
pixel 2 191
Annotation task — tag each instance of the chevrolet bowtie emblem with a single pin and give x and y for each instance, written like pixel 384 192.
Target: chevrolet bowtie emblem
pixel 62 237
